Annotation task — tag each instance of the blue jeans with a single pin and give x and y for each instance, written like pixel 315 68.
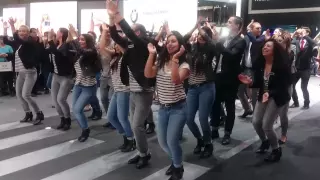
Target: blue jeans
pixel 171 121
pixel 200 98
pixel 49 81
pixel 118 113
pixel 94 102
pixel 81 96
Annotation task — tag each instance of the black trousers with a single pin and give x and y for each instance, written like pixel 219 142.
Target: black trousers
pixel 304 75
pixel 226 93
pixel 6 82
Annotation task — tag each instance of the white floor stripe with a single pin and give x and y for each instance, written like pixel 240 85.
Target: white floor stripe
pixel 95 168
pixel 13 125
pixel 29 137
pixel 31 159
pixel 191 172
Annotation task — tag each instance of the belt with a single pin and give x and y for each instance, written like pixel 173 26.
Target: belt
pixel 197 85
pixel 172 104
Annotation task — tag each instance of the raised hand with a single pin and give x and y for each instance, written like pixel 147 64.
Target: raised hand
pixel 267 34
pixel 105 27
pixel 152 49
pixel 179 53
pixel 12 21
pixel 245 79
pixel 112 7
pixel 265 97
pixel 5 25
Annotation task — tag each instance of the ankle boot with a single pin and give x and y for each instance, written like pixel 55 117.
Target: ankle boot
pixel 170 170
pixel 67 124
pixel 199 146
pixel 39 118
pixel 177 173
pixel 125 142
pixel 207 151
pixel 130 146
pixel 84 135
pixel 265 145
pixel 97 116
pixel 150 128
pixel 62 123
pixel 28 117
pixel 143 161
pixel 274 156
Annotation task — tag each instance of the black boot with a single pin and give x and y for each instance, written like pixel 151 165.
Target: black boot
pixel 207 151
pixel 265 145
pixel 125 142
pixel 39 118
pixel 67 124
pixel 274 156
pixel 215 134
pixel 150 128
pixel 199 147
pixel 143 161
pixel 130 146
pixel 226 139
pixel 84 135
pixel 97 116
pixel 177 173
pixel 28 117
pixel 170 170
pixel 62 123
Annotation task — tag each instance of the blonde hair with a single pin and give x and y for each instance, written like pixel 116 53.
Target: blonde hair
pixel 25 26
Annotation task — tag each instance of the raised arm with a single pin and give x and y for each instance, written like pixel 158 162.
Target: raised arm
pixel 150 69
pixel 178 75
pixel 103 42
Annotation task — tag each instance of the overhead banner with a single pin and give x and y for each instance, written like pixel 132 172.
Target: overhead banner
pixel 46 15
pixel 282 6
pixel 153 13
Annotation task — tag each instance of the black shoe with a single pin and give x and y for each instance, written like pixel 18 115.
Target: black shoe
pixel 125 142
pixel 67 125
pixel 207 151
pixel 170 170
pixel 226 139
pixel 84 135
pixel 97 116
pixel 215 134
pixel 150 129
pixel 28 117
pixel 274 156
pixel 62 123
pixel 108 125
pixel 177 173
pixel 305 107
pixel 130 146
pixel 143 161
pixel 294 106
pixel 46 91
pixel 200 145
pixel 264 147
pixel 247 113
pixel 134 160
pixel 39 118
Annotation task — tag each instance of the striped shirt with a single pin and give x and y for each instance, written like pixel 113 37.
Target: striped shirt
pixel 196 78
pixel 135 87
pixel 53 60
pixel 169 92
pixel 19 67
pixel 81 79
pixel 118 86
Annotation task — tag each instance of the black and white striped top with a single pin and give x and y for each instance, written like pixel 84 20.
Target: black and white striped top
pixel 134 86
pixel 19 67
pixel 169 92
pixel 118 86
pixel 83 80
pixel 53 60
pixel 196 78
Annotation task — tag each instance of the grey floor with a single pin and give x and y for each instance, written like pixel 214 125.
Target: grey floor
pixel 40 152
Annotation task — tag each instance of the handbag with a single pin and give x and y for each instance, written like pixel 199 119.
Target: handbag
pixel 6 67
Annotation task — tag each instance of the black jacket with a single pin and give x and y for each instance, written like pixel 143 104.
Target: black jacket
pixel 255 50
pixel 202 56
pixel 64 58
pixel 279 81
pixel 231 58
pixel 135 57
pixel 90 62
pixel 304 56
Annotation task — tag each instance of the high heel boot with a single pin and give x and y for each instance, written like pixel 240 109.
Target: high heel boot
pixel 39 118
pixel 28 117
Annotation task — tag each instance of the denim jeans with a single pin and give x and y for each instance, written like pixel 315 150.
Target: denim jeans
pixel 94 102
pixel 49 80
pixel 171 121
pixel 118 113
pixel 80 98
pixel 200 98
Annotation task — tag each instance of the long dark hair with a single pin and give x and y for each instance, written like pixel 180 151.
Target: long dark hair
pixel 280 57
pixel 164 56
pixel 89 41
pixel 65 33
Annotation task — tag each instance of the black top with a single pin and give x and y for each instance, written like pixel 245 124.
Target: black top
pixel 232 55
pixel 135 56
pixel 304 55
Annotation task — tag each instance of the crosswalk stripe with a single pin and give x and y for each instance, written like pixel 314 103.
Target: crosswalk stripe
pixel 191 172
pixel 36 157
pixel 95 168
pixel 29 137
pixel 13 125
